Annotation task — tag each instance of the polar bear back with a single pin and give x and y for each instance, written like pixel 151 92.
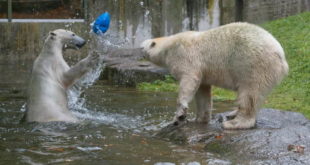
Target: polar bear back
pixel 246 53
pixel 230 56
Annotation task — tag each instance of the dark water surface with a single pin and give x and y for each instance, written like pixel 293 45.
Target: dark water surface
pixel 117 127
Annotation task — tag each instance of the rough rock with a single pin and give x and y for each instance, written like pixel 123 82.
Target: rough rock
pixel 279 137
pixel 127 67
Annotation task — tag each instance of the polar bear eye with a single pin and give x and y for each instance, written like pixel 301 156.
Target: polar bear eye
pixel 52 33
pixel 153 44
pixel 73 35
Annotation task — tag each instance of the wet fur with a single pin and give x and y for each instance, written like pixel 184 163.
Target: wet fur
pixel 51 77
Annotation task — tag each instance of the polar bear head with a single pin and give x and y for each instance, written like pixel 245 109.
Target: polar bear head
pixel 156 50
pixel 67 39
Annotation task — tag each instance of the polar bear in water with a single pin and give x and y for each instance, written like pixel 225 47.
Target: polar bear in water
pixel 51 77
pixel 241 57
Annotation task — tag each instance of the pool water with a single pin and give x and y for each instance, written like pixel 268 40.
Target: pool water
pixel 117 127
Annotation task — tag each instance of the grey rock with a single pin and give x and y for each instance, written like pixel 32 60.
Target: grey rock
pixel 267 143
pixel 127 67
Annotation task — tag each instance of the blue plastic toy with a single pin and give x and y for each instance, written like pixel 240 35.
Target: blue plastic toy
pixel 102 23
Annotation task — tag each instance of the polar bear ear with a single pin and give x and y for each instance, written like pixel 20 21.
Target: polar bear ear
pixel 152 44
pixel 52 34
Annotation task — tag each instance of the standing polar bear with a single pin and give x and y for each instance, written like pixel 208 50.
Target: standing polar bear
pixel 51 77
pixel 239 56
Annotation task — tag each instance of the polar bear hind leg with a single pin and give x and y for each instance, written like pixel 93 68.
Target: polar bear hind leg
pixel 249 101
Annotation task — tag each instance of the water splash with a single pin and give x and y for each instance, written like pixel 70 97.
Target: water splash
pixel 76 98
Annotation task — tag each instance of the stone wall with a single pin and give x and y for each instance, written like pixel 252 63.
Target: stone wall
pixel 260 11
pixel 136 20
pixel 20 43
pixel 228 11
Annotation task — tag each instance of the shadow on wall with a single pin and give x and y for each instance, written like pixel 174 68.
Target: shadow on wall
pixel 260 11
pixel 136 20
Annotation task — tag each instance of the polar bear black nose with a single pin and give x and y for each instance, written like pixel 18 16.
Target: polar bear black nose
pixel 81 44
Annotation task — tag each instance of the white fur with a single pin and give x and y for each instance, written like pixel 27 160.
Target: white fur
pixel 51 77
pixel 241 57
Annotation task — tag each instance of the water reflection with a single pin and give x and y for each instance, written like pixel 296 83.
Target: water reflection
pixel 136 20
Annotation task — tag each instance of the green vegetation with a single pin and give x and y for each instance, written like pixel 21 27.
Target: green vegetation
pixel 167 85
pixel 294 92
pixel 294 35
pixel 170 85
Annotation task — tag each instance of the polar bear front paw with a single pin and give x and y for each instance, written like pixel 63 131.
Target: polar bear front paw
pixel 180 115
pixel 93 58
pixel 95 55
pixel 180 120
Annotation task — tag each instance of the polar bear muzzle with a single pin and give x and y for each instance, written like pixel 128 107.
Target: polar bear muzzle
pixel 72 41
pixel 78 42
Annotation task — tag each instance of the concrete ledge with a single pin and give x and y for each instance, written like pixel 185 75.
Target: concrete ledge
pixel 45 20
pixel 126 67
